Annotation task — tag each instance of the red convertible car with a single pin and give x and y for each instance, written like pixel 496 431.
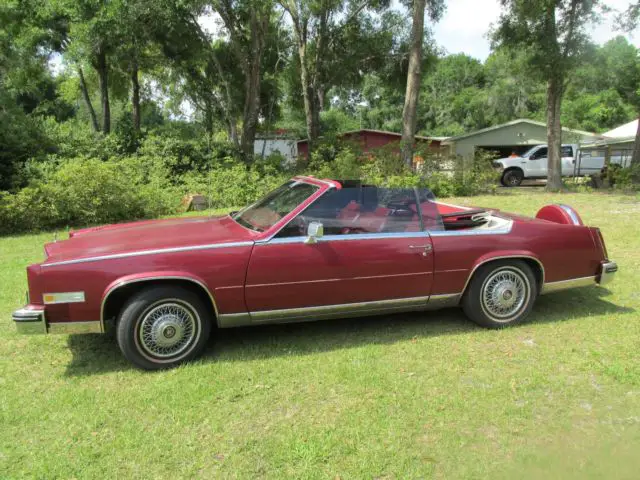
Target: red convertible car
pixel 310 250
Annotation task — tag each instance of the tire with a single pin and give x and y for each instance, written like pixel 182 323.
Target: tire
pixel 512 178
pixel 490 299
pixel 162 327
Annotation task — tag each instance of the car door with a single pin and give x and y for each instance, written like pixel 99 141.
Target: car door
pixel 536 165
pixel 373 255
pixel 567 161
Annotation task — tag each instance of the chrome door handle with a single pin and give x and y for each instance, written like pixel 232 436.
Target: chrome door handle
pixel 426 248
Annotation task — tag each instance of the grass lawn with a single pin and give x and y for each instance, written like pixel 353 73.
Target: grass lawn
pixel 402 396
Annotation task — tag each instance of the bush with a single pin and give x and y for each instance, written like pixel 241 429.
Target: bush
pixel 624 178
pixel 234 183
pixel 88 191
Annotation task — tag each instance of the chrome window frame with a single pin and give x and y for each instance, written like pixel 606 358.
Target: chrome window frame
pixel 362 236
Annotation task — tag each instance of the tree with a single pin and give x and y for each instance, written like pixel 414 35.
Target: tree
pixel 410 110
pixel 553 32
pixel 248 23
pixel 335 41
pixel 629 20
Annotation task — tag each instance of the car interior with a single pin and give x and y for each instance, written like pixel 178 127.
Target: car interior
pixel 359 208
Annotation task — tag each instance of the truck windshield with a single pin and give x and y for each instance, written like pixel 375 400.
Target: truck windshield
pixel 265 213
pixel 529 152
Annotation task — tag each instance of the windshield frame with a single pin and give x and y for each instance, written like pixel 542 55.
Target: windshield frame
pixel 266 235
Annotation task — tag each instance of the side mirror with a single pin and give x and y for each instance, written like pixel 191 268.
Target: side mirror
pixel 315 230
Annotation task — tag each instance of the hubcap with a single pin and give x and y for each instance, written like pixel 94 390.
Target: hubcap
pixel 504 294
pixel 167 330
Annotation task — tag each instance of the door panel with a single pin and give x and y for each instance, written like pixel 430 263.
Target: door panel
pixel 287 273
pixel 567 161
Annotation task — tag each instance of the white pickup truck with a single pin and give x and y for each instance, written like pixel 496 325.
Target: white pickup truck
pixel 533 164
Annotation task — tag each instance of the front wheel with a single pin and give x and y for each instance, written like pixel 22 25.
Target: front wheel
pixel 161 327
pixel 500 293
pixel 512 178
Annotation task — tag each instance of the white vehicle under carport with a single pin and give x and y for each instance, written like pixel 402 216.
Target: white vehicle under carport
pixel 532 164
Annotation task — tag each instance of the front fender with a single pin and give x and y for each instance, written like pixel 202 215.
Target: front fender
pixel 150 276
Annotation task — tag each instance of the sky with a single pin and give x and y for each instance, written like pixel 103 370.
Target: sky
pixel 464 26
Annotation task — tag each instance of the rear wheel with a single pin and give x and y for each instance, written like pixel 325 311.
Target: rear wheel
pixel 512 178
pixel 500 293
pixel 161 327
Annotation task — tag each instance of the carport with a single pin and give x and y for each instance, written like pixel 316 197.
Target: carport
pixel 516 136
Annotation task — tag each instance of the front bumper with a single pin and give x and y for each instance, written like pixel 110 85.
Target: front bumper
pixel 31 319
pixel 608 271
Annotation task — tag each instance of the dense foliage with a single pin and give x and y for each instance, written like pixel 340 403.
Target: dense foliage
pixel 85 190
pixel 104 103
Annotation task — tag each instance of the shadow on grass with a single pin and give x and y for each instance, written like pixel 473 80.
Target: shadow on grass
pixel 94 354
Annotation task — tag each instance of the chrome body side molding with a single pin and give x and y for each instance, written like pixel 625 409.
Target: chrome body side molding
pixel 151 279
pixel 551 287
pixel 148 252
pixel 571 212
pixel 528 257
pixel 606 275
pixel 75 327
pixel 325 312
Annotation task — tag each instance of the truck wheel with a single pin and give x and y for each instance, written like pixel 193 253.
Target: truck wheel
pixel 161 327
pixel 512 178
pixel 500 293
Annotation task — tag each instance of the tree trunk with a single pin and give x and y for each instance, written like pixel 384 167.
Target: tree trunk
pixel 554 134
pixel 87 100
pixel 410 110
pixel 252 85
pixel 135 96
pixel 232 131
pixel 103 79
pixel 311 116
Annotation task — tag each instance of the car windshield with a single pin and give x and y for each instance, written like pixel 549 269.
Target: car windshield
pixel 265 213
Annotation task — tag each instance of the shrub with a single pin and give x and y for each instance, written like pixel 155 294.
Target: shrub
pixel 88 191
pixel 624 178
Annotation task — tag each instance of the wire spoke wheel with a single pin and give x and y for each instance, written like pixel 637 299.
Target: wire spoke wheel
pixel 504 294
pixel 167 330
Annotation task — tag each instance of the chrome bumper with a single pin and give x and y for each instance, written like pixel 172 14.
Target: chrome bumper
pixel 31 320
pixel 607 272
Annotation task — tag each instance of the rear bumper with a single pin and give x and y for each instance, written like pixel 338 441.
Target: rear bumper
pixel 608 271
pixel 31 319
pixel 604 276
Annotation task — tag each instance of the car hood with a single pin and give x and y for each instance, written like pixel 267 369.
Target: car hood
pixel 508 159
pixel 147 235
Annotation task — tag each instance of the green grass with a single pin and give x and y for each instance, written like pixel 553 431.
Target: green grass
pixel 404 396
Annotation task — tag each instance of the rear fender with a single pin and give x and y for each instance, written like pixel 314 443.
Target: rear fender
pixel 504 255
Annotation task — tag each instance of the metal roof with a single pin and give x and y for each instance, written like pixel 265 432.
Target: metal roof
pixel 382 132
pixel 515 122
